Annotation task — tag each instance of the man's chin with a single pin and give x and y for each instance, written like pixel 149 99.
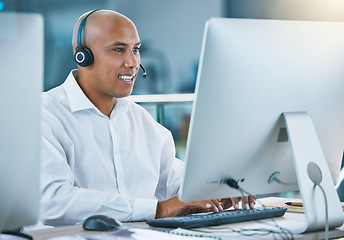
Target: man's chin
pixel 124 95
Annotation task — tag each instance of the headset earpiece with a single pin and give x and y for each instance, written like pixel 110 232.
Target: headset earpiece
pixel 83 57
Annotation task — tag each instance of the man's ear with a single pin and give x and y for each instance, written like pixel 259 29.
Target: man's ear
pixel 75 49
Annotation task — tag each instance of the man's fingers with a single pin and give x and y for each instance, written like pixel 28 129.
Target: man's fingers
pixel 248 202
pixel 217 205
pixel 199 206
pixel 251 201
pixel 235 202
pixel 229 202
pixel 214 205
pixel 244 202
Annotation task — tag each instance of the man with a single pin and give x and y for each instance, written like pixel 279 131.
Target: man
pixel 102 153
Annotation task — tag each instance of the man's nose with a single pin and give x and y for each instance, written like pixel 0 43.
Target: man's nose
pixel 132 60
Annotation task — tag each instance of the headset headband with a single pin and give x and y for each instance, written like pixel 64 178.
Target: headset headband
pixel 81 26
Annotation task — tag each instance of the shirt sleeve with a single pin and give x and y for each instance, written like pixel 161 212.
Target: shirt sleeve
pixel 64 203
pixel 171 171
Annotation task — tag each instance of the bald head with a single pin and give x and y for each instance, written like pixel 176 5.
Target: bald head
pixel 98 23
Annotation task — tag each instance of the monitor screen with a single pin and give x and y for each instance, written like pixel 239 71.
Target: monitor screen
pixel 250 72
pixel 21 80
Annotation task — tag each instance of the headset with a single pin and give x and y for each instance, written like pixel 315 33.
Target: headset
pixel 84 56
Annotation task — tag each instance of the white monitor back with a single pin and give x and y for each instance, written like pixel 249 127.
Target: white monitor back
pixel 21 81
pixel 250 72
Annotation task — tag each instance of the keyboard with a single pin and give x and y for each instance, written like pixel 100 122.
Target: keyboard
pixel 224 217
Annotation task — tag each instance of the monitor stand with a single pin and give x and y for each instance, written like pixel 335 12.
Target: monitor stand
pixel 313 175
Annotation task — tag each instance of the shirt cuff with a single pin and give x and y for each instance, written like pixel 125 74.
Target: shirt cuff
pixel 144 209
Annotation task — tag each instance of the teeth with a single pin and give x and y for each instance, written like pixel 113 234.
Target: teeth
pixel 126 78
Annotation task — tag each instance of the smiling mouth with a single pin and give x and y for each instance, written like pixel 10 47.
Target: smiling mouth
pixel 127 78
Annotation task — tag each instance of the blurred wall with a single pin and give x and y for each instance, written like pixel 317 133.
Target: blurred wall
pixel 312 10
pixel 171 32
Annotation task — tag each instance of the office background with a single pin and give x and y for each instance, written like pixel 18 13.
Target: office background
pixel 171 32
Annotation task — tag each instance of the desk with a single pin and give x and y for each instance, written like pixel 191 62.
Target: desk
pixel 286 220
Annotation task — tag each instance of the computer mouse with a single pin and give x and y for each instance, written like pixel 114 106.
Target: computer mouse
pixel 100 223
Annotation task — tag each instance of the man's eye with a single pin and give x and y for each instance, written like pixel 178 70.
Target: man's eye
pixel 118 50
pixel 136 49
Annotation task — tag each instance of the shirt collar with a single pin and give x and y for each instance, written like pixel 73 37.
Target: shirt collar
pixel 76 97
pixel 120 108
pixel 78 100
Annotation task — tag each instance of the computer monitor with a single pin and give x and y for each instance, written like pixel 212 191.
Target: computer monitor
pixel 21 78
pixel 253 76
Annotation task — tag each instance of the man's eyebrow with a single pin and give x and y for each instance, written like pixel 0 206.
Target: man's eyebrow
pixel 124 44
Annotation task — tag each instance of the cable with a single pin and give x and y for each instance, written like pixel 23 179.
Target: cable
pixel 247 232
pixel 234 184
pixel 283 232
pixel 275 178
pixel 16 233
pixel 315 175
pixel 327 227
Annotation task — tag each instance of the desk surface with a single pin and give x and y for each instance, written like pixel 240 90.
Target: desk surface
pixel 224 231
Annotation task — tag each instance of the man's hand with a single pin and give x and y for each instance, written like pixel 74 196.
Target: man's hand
pixel 247 202
pixel 174 207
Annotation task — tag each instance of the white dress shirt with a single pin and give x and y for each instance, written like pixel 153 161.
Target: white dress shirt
pixel 92 164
